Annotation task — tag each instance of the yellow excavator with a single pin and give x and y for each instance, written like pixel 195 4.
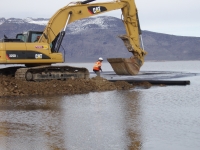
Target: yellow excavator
pixel 38 50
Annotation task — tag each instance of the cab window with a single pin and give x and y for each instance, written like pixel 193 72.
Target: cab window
pixel 35 37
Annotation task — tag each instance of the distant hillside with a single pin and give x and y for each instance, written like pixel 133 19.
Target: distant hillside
pixel 89 38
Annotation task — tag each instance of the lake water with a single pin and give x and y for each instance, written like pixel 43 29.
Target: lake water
pixel 159 118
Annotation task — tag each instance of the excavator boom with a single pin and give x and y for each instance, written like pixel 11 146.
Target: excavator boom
pixel 77 11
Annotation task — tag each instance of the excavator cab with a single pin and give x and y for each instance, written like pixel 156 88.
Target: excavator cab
pixel 29 36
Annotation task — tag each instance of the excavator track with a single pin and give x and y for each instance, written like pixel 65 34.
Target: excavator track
pixel 42 73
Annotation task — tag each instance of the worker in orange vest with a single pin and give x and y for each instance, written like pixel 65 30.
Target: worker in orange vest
pixel 97 66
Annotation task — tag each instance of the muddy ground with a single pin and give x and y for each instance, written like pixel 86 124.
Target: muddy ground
pixel 9 86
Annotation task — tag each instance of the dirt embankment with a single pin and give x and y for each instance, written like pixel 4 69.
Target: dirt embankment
pixel 9 86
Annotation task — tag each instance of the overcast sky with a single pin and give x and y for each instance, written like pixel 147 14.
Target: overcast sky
pixel 176 17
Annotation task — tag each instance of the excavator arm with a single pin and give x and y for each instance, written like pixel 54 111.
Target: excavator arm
pixel 55 30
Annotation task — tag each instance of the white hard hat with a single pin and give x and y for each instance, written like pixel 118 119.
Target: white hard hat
pixel 100 58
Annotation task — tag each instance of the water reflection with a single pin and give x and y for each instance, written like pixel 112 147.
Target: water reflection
pixel 31 123
pixel 139 119
pixel 82 122
pixel 133 118
pixel 95 121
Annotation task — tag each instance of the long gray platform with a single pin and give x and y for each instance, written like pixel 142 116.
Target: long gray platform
pixel 153 77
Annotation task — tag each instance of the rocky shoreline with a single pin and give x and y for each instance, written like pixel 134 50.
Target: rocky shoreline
pixel 9 86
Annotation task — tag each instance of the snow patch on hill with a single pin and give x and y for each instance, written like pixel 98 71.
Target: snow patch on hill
pixel 99 22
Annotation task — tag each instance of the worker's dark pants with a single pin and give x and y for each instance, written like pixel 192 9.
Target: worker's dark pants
pixel 97 72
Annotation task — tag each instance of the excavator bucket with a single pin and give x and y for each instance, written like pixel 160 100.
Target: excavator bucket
pixel 125 66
